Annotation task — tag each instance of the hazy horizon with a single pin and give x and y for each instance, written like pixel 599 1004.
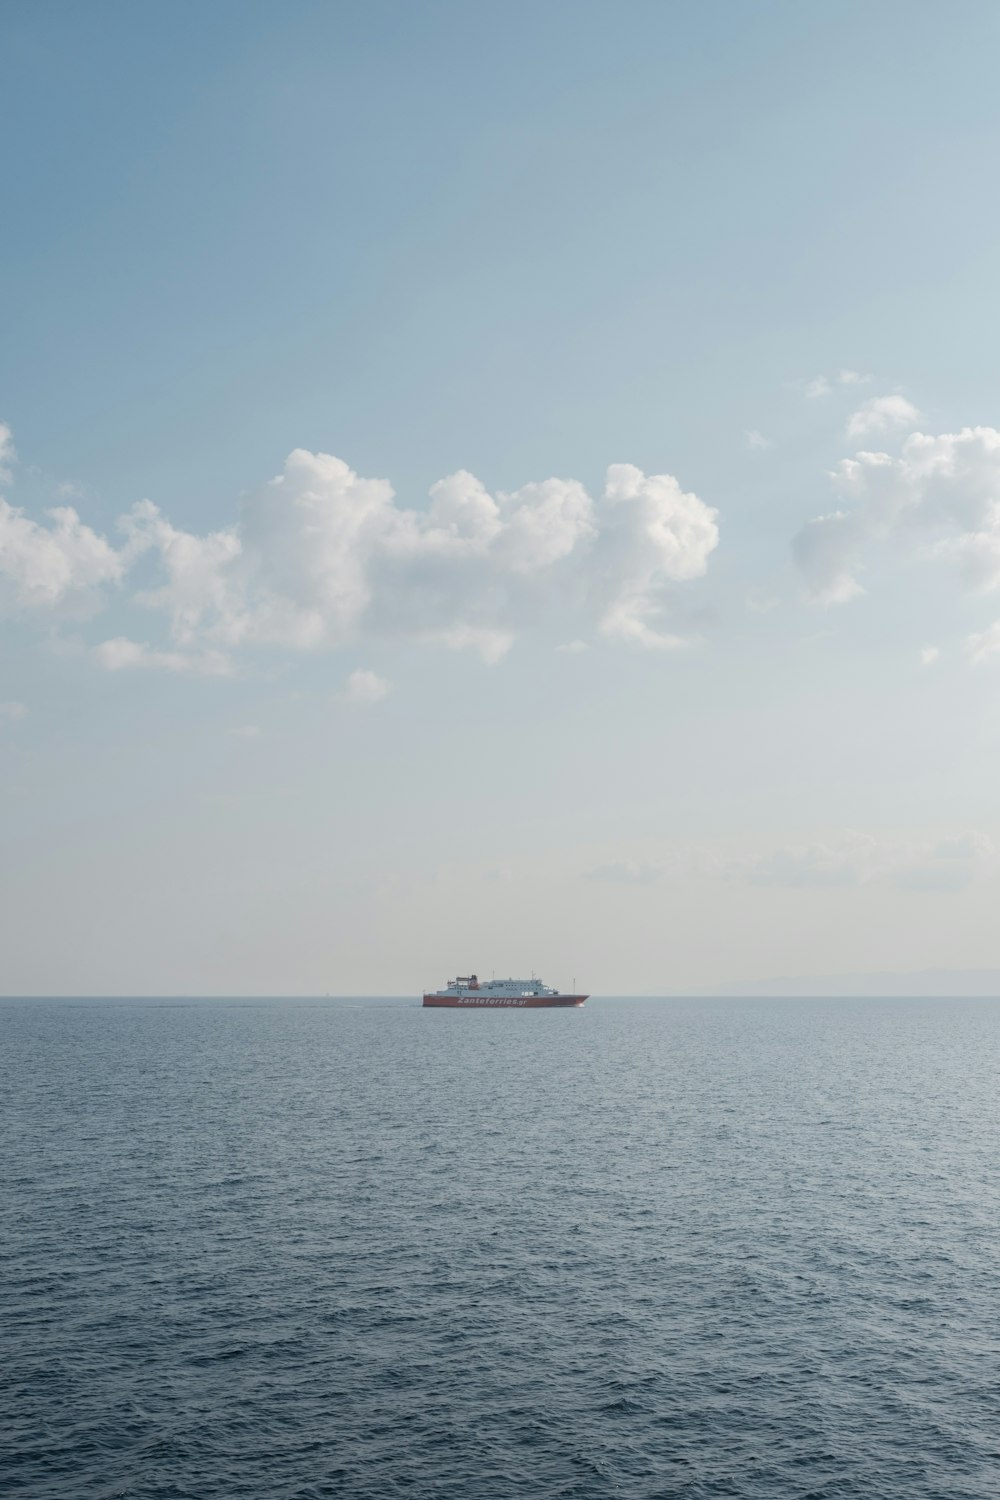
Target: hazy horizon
pixel 934 984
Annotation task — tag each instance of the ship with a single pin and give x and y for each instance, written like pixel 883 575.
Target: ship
pixel 469 992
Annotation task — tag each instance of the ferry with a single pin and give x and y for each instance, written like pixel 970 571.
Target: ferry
pixel 470 993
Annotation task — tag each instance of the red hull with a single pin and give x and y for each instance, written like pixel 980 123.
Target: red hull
pixel 509 1002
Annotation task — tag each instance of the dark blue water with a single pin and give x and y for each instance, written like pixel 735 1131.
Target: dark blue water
pixel 646 1249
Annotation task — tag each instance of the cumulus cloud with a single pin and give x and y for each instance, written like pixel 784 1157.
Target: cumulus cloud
pixel 757 441
pixel 940 493
pixel 198 591
pixel 543 523
pixel 882 414
pixel 321 556
pixel 59 566
pixel 625 872
pixel 654 533
pixel 858 859
pixel 11 710
pixel 929 655
pixel 852 377
pixel 365 687
pixel 321 553
pixel 817 388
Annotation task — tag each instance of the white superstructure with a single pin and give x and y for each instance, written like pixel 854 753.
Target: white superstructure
pixel 495 989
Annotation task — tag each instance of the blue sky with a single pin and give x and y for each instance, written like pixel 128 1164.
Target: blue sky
pixel 663 727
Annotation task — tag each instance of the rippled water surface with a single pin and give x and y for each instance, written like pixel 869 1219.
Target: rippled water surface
pixel 647 1249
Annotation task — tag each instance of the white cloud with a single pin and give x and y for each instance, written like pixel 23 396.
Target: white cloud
pixel 852 377
pixel 882 414
pixel 365 687
pixel 941 493
pixel 11 710
pixel 61 566
pixel 757 441
pixel 321 556
pixel 463 514
pixel 121 654
pixel 543 523
pixel 198 588
pixel 572 648
pixel 655 534
pixel 8 453
pixel 929 655
pixel 246 731
pixel 625 872
pixel 817 388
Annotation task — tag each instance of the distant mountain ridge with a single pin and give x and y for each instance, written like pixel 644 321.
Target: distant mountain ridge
pixel 924 982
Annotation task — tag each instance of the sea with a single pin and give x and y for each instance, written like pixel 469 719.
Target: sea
pixel 650 1249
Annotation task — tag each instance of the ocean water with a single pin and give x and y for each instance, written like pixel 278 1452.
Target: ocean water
pixel 289 1250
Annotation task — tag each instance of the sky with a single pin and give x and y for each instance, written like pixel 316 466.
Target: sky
pixel 511 488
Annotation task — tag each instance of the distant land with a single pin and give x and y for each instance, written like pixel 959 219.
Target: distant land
pixel 924 982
